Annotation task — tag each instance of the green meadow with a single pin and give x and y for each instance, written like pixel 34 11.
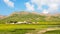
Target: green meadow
pixel 23 28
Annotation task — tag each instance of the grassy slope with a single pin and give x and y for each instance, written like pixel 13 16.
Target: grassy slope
pixel 32 17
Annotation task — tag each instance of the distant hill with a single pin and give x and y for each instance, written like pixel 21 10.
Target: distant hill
pixel 2 17
pixel 31 16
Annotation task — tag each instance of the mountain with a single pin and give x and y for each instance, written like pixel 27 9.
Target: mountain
pixel 32 17
pixel 2 17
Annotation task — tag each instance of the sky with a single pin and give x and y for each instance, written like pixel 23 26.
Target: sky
pixel 40 6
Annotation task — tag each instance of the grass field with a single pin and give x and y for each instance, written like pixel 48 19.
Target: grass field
pixel 53 32
pixel 22 28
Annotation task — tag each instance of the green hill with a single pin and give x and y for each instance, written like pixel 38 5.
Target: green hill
pixel 32 17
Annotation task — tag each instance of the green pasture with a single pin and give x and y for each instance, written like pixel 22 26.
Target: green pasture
pixel 25 26
pixel 22 28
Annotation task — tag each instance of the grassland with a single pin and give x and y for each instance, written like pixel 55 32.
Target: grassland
pixel 22 28
pixel 53 32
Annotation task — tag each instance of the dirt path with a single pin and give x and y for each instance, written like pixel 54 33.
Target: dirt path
pixel 48 29
pixel 44 30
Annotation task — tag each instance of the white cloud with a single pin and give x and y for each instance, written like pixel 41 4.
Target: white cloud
pixel 52 4
pixel 39 3
pixel 45 11
pixel 9 3
pixel 29 6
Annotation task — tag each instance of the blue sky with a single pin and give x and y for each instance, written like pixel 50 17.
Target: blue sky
pixel 42 6
pixel 6 10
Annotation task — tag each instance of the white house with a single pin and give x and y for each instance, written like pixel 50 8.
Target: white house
pixel 21 22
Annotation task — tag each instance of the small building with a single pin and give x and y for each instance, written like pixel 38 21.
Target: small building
pixel 16 22
pixel 21 22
